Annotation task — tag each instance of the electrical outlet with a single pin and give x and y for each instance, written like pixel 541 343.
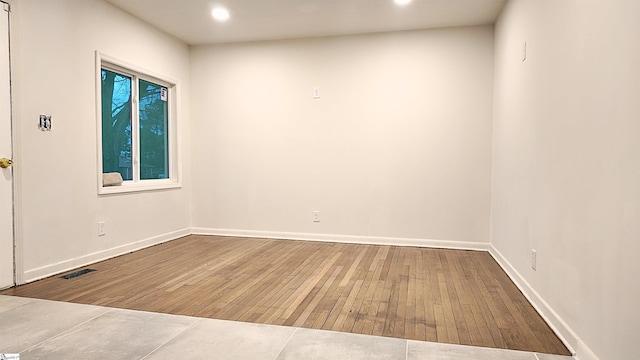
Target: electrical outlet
pixel 101 228
pixel 534 255
pixel 316 93
pixel 316 216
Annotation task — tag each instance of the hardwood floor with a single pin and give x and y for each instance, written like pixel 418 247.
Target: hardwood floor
pixel 450 296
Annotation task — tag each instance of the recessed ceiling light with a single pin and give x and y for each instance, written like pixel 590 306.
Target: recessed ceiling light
pixel 402 2
pixel 219 13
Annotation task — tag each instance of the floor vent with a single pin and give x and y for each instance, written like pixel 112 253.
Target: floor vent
pixel 77 273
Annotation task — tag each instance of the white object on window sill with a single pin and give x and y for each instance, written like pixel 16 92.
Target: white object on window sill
pixel 111 179
pixel 148 185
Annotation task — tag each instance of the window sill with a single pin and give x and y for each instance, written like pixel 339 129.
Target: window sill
pixel 130 187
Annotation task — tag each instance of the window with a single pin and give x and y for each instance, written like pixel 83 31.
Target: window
pixel 137 131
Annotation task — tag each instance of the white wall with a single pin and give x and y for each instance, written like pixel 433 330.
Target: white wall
pixel 566 170
pixel 398 146
pixel 56 172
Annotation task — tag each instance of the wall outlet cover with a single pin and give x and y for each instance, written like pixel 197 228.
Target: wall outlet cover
pixel 534 260
pixel 101 228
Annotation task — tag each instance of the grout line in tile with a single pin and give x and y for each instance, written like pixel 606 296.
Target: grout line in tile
pixel 71 329
pixel 406 350
pixel 295 330
pixel 17 306
pixel 198 320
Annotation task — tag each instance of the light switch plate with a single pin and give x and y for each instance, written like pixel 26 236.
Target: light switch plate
pixel 45 122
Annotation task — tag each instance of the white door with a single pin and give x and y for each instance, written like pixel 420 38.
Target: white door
pixel 6 175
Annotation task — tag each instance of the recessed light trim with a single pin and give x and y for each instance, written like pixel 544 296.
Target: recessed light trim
pixel 220 14
pixel 402 2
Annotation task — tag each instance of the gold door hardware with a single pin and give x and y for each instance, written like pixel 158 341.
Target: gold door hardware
pixel 5 163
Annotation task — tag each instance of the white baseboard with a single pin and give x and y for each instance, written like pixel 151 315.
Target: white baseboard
pixel 583 352
pixel 371 240
pixel 557 324
pixel 62 266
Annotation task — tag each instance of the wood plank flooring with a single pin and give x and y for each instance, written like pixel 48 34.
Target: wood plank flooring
pixel 450 296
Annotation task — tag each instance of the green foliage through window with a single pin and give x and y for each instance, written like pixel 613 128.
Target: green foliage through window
pixel 116 124
pixel 134 135
pixel 154 161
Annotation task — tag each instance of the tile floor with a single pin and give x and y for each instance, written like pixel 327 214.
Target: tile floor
pixel 42 329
